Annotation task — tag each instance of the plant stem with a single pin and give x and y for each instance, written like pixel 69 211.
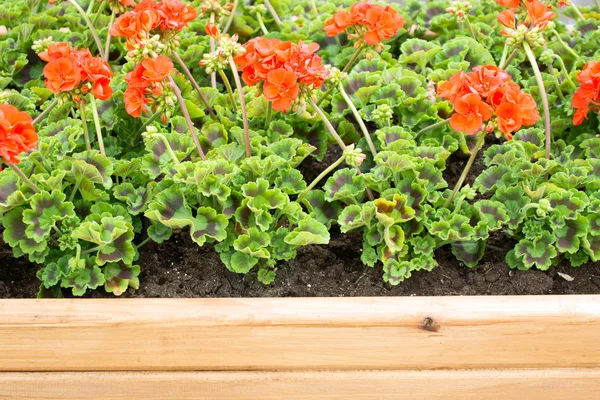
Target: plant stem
pixel 432 127
pixel 92 250
pixel 273 13
pixel 24 178
pixel 86 133
pixel 315 9
pixel 109 37
pixel 261 24
pixel 504 54
pixel 229 89
pixel 143 243
pixel 90 7
pixel 542 89
pixel 565 71
pixel 268 115
pixel 186 115
pixel 150 120
pixel 511 57
pixel 90 26
pixel 240 90
pixel 322 175
pixel 97 124
pixel 463 176
pixel 358 118
pixel 194 84
pixel 337 137
pixel 468 23
pixel 567 48
pixel 328 125
pixel 75 189
pixel 38 164
pixel 45 113
pixel 346 69
pixel 597 4
pixel 231 16
pixel 99 12
pixel 213 75
pixel 580 16
pixel 168 147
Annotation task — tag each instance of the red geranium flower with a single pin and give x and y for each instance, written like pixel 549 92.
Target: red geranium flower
pixel 587 96
pixel 158 69
pixel 55 51
pixel 509 3
pixel 281 88
pixel 62 75
pixel 69 69
pixel 17 134
pixel 370 23
pixel 470 114
pixel 538 14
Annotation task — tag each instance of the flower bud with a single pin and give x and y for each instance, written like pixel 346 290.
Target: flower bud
pixel 354 157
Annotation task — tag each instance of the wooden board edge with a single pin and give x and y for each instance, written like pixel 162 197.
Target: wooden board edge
pixel 301 334
pixel 572 384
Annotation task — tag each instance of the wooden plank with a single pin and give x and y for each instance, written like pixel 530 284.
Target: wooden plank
pixel 300 333
pixel 572 384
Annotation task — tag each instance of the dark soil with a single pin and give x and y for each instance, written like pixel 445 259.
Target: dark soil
pixel 180 268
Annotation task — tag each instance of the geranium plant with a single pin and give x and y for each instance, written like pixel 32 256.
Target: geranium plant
pixel 124 122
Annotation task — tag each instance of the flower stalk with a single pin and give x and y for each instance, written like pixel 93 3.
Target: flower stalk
pixel 358 118
pixel 189 75
pixel 97 124
pixel 565 46
pixel 273 13
pixel 213 75
pixel 229 89
pixel 238 84
pixel 150 120
pixel 506 61
pixel 109 37
pixel 542 89
pixel 45 113
pixel 186 115
pixel 347 68
pixel 321 176
pixel 463 176
pixel 261 24
pixel 231 17
pixel 24 178
pixel 90 25
pixel 268 115
pixel 86 134
pixel 432 127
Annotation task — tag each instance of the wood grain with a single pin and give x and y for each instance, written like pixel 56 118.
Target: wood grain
pixel 572 384
pixel 300 333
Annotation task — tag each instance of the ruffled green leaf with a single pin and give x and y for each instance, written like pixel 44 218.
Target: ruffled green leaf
pixel 538 252
pixel 308 231
pixel 119 277
pixel 112 236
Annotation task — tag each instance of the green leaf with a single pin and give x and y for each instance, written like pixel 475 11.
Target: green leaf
pixel 308 231
pixel 323 211
pixel 47 210
pixel 119 277
pixel 136 198
pixel 538 252
pixel 112 236
pixel 469 252
pixel 81 280
pixel 395 272
pixel 345 185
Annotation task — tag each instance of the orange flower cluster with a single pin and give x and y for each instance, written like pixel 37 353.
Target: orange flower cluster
pixel 146 84
pixel 76 71
pixel 149 15
pixel 587 96
pixel 17 134
pixel 371 22
pixel 538 14
pixel 284 69
pixel 486 90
